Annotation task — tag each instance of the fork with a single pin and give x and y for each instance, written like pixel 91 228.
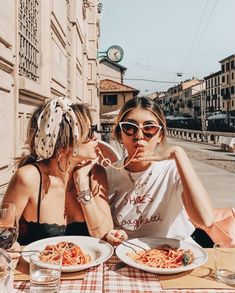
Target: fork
pixel 22 251
pixel 128 244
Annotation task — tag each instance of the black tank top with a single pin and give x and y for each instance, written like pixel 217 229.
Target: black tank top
pixel 33 231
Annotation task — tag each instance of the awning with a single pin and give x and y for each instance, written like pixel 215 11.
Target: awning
pixel 218 116
pixel 177 118
pixel 107 121
pixel 111 114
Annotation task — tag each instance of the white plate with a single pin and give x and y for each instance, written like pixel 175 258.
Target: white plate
pixel 99 250
pixel 200 256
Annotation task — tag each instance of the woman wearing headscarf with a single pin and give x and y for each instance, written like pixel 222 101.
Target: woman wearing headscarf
pixel 58 188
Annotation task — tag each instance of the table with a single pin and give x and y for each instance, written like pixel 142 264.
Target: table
pixel 102 279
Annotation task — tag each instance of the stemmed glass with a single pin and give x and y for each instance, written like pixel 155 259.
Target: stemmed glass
pixel 8 225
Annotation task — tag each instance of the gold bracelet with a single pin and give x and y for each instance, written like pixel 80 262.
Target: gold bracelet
pixel 97 227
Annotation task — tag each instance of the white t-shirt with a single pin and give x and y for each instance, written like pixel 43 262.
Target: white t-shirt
pixel 152 208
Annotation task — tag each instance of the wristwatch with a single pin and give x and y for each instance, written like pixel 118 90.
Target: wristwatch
pixel 84 196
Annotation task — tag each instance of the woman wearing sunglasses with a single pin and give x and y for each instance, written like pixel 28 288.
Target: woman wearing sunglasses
pixel 158 190
pixel 58 188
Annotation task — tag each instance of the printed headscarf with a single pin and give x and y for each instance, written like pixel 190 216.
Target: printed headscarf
pixel 49 123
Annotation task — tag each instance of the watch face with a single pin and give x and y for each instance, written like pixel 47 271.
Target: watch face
pixel 115 53
pixel 87 197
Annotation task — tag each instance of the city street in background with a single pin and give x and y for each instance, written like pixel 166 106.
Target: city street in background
pixel 167 42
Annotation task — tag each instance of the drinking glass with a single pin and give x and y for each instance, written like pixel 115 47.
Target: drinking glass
pixel 6 275
pixel 225 262
pixel 45 276
pixel 8 225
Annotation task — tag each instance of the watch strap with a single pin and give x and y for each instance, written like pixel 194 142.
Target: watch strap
pixel 84 196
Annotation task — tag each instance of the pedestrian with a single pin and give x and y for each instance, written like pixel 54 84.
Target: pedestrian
pixel 58 188
pixel 157 192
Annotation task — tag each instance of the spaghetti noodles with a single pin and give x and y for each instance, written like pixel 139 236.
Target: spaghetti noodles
pixel 71 254
pixel 163 257
pixel 108 161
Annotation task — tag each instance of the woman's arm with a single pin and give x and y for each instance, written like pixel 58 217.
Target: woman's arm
pixel 195 197
pixel 96 210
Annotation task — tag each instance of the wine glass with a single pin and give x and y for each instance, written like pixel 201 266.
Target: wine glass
pixel 8 225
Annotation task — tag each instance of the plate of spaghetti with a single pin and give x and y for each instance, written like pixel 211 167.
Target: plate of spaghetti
pixel 79 252
pixel 161 255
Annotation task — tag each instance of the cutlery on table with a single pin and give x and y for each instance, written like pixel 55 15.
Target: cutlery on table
pixel 128 244
pixel 22 251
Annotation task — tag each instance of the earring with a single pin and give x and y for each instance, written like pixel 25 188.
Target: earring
pixel 123 151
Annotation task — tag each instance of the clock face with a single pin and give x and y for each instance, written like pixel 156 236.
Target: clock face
pixel 115 53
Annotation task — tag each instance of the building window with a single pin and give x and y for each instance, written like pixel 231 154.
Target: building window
pixel 29 39
pixel 223 78
pixel 232 64
pixel 232 89
pixel 110 100
pixel 227 66
pixel 222 68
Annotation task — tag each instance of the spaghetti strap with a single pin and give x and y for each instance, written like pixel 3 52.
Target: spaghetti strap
pixel 39 193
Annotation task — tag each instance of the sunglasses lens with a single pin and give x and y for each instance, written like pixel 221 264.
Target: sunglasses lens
pixel 92 131
pixel 129 129
pixel 150 130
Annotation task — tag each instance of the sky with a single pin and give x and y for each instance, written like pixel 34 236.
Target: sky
pixel 161 38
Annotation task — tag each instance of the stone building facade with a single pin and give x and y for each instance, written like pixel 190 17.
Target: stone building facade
pixel 213 96
pixel 228 84
pixel 47 48
pixel 209 103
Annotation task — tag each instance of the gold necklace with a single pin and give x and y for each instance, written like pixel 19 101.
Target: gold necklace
pixel 139 187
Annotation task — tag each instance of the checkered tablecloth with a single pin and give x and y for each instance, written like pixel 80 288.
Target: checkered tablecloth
pixel 132 280
pixel 93 283
pixel 102 279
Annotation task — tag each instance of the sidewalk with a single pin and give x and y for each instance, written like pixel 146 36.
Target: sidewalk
pixel 220 184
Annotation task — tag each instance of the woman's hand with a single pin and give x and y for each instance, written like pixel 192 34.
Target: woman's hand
pixel 166 153
pixel 80 175
pixel 116 237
